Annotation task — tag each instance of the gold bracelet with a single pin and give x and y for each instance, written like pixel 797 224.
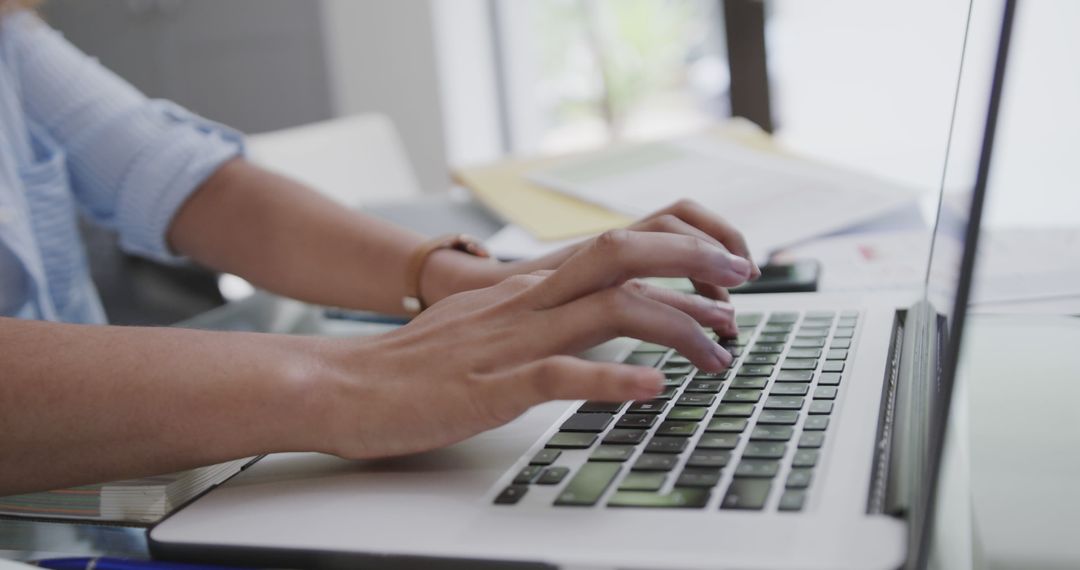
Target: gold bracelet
pixel 413 302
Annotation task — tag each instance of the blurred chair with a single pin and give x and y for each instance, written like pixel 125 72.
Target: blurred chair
pixel 356 160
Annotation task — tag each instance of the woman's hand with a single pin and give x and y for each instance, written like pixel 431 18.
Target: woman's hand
pixel 478 359
pixel 451 272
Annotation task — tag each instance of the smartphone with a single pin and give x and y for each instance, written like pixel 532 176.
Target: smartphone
pixel 799 276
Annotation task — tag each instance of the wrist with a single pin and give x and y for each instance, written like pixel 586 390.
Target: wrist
pixel 449 271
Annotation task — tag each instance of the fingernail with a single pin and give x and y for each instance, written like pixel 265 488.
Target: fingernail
pixel 723 356
pixel 739 265
pixel 725 307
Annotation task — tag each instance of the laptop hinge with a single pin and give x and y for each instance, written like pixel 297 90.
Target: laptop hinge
pixel 905 412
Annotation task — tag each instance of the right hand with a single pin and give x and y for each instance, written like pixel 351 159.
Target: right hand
pixel 479 359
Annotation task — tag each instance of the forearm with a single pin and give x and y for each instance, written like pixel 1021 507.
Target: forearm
pixel 82 403
pixel 284 237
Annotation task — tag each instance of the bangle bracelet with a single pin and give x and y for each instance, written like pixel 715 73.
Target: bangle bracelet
pixel 413 302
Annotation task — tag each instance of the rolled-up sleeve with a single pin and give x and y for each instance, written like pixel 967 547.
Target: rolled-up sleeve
pixel 132 161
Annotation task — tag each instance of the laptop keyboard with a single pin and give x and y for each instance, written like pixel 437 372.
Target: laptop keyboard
pixel 748 438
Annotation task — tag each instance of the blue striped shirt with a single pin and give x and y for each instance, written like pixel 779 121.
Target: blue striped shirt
pixel 75 139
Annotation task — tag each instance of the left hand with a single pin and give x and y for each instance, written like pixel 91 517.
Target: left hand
pixel 683 217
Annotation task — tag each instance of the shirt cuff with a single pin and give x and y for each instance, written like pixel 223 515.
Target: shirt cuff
pixel 187 151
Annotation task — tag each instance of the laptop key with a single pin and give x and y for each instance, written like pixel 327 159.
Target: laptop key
pixel 527 475
pixel 718 441
pixel 761 359
pixel 808 343
pixel 674 369
pixel 588 484
pixel 571 440
pixel 651 347
pixel 820 407
pixel 595 423
pixel 747 319
pixel 726 425
pixel 636 421
pixel 591 407
pixel 677 359
pixel 649 359
pixel 833 366
pixel 757 468
pixel 722 375
pixel 688 413
pixel 619 436
pixel 511 495
pixel 778 417
pixel 799 364
pixel 829 379
pixel 678 498
pixel 816 423
pixel 777 328
pixel 825 393
pixel 812 439
pixel 667 394
pixel 785 317
pixel 642 481
pixel 553 475
pixel 674 381
pixel 751 383
pixel 784 403
pixel 845 332
pixel 705 386
pixel 756 370
pixel 746 494
pixel 764 450
pixel 772 433
pixel 760 348
pixel 683 429
pixel 545 457
pixel 708 458
pixel 805 458
pixel 647 407
pixel 655 462
pixel 836 354
pixel 795 376
pixel 697 477
pixel 734 410
pixel 695 400
pixel 777 338
pixel 737 396
pixel 841 343
pixel 804 353
pixel 612 453
pixel 799 478
pixel 792 500
pixel 666 444
pixel 789 389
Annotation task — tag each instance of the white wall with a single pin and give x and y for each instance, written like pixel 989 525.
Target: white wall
pixel 381 57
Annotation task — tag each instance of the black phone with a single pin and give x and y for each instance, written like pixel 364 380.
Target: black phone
pixel 799 276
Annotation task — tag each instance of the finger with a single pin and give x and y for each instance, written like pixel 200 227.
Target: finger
pixel 672 224
pixel 619 255
pixel 616 312
pixel 570 378
pixel 718 315
pixel 698 216
pixel 711 291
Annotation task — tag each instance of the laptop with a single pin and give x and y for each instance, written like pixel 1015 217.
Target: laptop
pixel 819 448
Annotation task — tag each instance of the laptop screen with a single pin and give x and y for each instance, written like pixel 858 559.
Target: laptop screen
pixel 950 270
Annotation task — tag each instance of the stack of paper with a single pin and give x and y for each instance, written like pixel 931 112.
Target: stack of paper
pixel 136 502
pixel 775 199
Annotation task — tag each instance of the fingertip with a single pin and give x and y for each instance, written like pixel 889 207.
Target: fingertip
pixel 648 384
pixel 740 267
